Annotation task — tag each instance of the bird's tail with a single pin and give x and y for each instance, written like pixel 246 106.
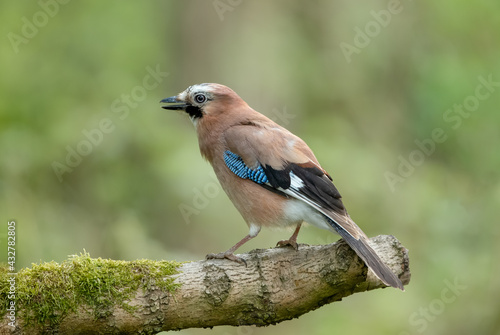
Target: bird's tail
pixel 367 254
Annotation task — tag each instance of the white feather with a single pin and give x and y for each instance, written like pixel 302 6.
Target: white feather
pixel 298 210
pixel 254 230
pixel 295 181
pixel 195 121
pixel 313 216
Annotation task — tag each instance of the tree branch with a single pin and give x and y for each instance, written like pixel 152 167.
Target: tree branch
pixel 277 284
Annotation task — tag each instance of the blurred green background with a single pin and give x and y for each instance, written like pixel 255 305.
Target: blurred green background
pixel 362 82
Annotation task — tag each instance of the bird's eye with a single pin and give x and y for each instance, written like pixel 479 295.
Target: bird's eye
pixel 200 98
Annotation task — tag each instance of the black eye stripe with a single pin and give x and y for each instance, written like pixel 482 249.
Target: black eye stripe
pixel 194 112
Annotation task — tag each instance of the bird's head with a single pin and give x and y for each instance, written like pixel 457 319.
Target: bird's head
pixel 204 100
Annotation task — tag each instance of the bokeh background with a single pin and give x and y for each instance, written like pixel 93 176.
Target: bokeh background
pixel 362 82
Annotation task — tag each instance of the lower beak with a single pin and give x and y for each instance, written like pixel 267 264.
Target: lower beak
pixel 173 103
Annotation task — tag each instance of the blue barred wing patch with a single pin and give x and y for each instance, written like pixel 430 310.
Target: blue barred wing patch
pixel 238 167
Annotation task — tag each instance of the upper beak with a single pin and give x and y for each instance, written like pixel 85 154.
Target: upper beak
pixel 173 103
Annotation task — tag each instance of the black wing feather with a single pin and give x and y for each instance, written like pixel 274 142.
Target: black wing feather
pixel 319 189
pixel 278 178
pixel 317 186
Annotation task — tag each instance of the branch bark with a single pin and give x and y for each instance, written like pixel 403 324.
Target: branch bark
pixel 277 284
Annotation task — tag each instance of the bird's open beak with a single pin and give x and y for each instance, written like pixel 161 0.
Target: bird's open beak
pixel 173 103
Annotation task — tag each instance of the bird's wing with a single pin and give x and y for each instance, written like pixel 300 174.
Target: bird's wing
pixel 281 161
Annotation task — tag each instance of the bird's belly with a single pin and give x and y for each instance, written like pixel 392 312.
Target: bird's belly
pixel 297 210
pixel 257 205
pixel 261 207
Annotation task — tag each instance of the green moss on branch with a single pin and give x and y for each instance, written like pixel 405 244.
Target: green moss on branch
pixel 47 292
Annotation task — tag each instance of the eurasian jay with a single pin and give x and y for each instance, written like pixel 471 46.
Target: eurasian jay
pixel 270 175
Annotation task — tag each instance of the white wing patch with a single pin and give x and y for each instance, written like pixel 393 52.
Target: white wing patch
pixel 296 183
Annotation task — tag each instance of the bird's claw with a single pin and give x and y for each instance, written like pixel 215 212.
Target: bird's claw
pixel 226 255
pixel 285 243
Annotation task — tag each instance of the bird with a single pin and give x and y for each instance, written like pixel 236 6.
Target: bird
pixel 271 175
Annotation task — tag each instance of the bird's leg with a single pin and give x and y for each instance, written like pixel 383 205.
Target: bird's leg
pixel 229 254
pixel 292 241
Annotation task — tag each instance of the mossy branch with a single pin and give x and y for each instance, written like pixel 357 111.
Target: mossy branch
pixel 91 296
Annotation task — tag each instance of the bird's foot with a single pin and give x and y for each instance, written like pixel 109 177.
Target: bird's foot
pixel 291 243
pixel 227 255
